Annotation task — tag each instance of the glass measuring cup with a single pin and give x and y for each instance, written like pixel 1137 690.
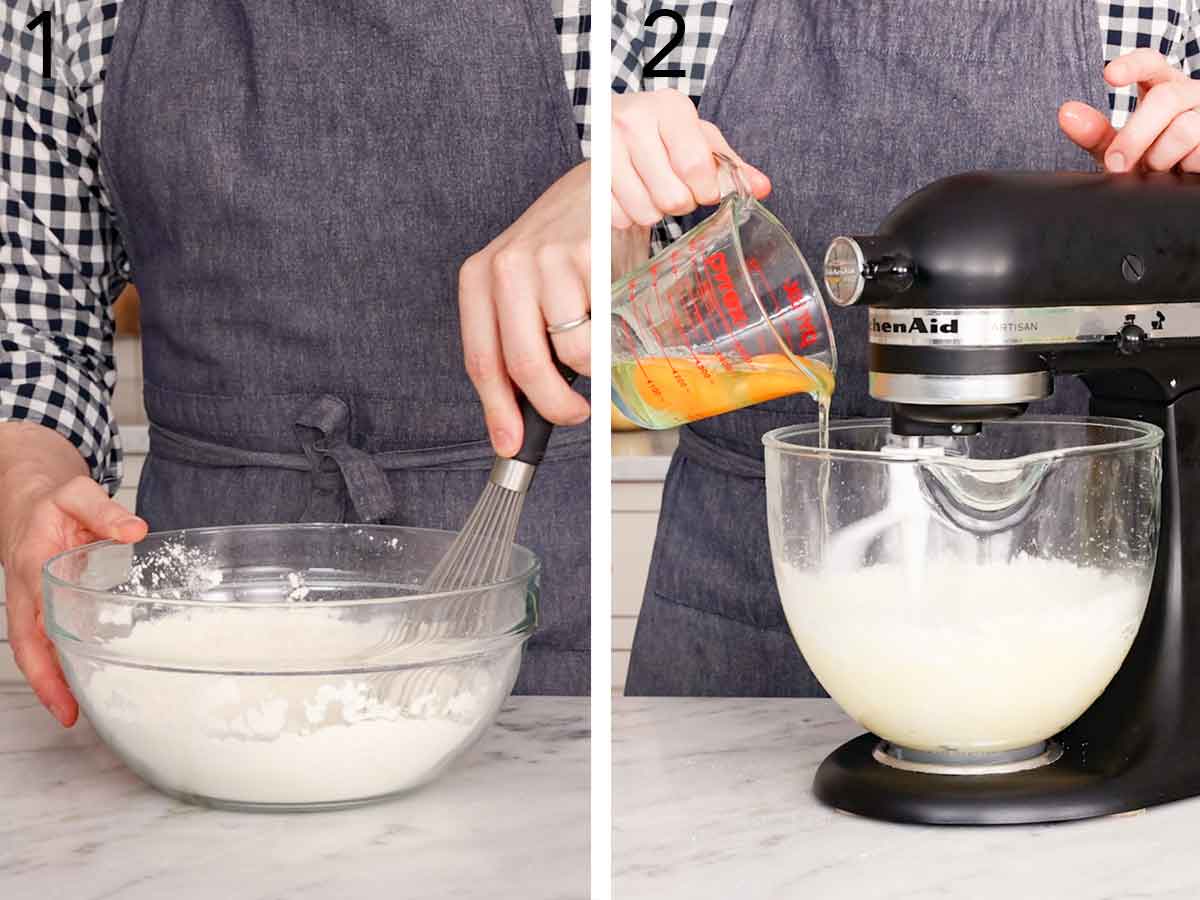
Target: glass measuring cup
pixel 727 316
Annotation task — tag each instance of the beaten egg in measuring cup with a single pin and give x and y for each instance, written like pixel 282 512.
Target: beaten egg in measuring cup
pixel 664 392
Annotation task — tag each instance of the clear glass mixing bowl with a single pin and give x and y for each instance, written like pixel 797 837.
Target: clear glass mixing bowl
pixel 285 667
pixel 965 595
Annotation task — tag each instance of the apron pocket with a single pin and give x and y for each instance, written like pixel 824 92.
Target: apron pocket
pixel 711 552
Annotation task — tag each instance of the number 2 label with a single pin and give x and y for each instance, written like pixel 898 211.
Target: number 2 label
pixel 652 70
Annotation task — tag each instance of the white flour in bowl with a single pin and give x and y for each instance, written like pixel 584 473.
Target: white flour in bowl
pixel 172 571
pixel 290 739
pixel 977 658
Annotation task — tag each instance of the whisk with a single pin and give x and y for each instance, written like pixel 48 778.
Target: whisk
pixel 483 549
pixel 482 552
pixel 480 555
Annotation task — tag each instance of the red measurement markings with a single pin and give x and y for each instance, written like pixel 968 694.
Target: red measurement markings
pixel 681 284
pixel 679 290
pixel 722 304
pixel 651 319
pixel 719 266
pixel 699 284
pixel 808 328
pixel 648 324
pixel 654 388
pixel 700 311
pixel 669 299
pixel 714 310
pixel 765 291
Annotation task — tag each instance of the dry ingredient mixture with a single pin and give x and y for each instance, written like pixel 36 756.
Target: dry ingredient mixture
pixel 172 571
pixel 289 739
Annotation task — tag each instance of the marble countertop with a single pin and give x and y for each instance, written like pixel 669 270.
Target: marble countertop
pixel 642 455
pixel 712 799
pixel 509 820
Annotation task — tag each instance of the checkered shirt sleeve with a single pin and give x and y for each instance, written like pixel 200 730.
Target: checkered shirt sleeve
pixel 573 22
pixel 61 259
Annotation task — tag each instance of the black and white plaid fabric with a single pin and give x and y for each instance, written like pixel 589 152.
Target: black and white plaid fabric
pixel 634 45
pixel 61 260
pixel 573 21
pixel 1172 27
pixel 62 263
pixel 1169 26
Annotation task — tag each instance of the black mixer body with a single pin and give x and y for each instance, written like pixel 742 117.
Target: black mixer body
pixel 983 287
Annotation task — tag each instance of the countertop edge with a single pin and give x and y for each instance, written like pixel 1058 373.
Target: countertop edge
pixel 642 456
pixel 640 468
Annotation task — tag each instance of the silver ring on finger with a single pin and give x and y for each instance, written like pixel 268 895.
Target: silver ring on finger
pixel 561 327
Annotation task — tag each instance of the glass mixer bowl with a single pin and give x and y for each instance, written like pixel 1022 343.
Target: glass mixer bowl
pixel 965 598
pixel 285 667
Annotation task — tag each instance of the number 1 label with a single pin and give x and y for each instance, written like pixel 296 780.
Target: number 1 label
pixel 43 20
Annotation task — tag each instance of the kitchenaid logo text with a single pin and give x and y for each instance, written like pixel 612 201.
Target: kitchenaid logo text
pixel 917 325
pixel 725 289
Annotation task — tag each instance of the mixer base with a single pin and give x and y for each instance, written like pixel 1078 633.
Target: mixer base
pixel 1077 785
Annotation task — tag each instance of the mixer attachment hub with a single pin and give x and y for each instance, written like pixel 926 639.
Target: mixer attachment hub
pixel 1004 762
pixel 916 420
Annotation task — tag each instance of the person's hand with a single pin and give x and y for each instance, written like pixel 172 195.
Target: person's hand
pixel 1164 131
pixel 40 520
pixel 662 159
pixel 534 275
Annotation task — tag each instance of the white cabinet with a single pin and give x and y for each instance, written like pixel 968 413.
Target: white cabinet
pixel 640 461
pixel 635 521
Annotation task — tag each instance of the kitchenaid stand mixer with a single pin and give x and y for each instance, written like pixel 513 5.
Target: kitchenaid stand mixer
pixel 981 288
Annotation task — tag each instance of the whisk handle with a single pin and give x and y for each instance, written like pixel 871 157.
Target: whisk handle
pixel 537 429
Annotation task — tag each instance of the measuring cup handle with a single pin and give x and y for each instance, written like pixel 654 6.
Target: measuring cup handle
pixel 733 172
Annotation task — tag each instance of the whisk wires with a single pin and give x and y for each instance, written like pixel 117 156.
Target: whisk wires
pixel 481 554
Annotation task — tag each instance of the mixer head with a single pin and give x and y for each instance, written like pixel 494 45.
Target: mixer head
pixel 982 287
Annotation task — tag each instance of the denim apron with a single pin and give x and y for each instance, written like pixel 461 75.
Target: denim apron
pixel 849 106
pixel 297 185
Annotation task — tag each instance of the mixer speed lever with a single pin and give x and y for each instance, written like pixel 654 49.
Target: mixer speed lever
pixel 1131 339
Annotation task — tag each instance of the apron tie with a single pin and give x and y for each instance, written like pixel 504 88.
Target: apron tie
pixel 323 430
